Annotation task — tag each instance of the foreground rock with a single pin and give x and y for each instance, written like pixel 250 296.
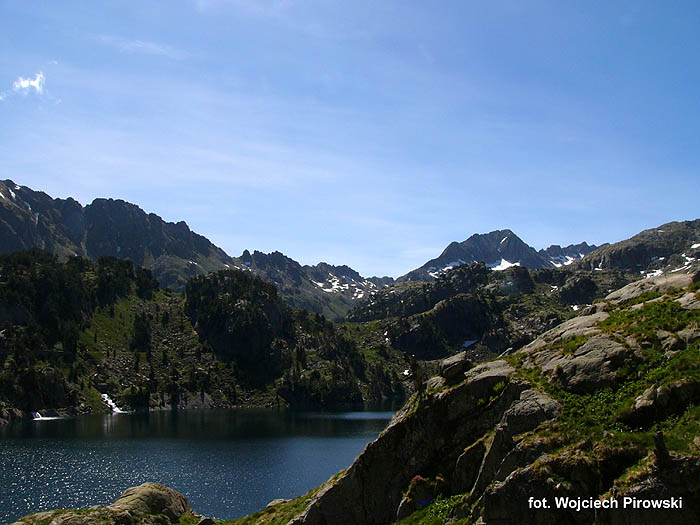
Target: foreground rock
pixel 501 436
pixel 150 503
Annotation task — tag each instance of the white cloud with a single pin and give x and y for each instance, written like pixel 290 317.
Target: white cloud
pixel 24 85
pixel 143 46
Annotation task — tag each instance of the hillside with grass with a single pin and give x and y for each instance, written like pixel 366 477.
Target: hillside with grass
pixel 75 330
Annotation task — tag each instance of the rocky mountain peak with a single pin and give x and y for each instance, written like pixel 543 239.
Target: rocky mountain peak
pixel 498 249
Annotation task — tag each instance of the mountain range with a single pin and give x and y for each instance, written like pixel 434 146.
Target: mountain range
pixel 576 379
pixel 174 253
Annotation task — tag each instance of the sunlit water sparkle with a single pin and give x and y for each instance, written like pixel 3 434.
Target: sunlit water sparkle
pixel 227 463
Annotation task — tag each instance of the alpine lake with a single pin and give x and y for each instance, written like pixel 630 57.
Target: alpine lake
pixel 228 463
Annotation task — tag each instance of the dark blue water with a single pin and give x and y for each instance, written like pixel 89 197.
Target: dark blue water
pixel 228 463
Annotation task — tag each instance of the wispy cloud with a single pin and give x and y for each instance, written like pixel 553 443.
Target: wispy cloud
pixel 127 45
pixel 24 86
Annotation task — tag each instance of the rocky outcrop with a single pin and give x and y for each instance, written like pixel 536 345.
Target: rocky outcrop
pixel 582 326
pixel 659 402
pixel 149 503
pixel 495 438
pixel 454 367
pixel 592 366
pixel 661 284
pixel 422 451
pixel 523 415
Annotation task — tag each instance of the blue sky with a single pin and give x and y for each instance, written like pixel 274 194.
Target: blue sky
pixel 363 133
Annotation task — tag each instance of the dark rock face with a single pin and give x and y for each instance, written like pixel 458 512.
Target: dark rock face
pixel 579 290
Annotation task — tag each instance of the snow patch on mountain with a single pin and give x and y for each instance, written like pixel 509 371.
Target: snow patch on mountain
pixel 502 265
pixel 563 260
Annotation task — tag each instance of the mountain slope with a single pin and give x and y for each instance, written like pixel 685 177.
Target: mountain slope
pixel 70 331
pixel 323 288
pixel 108 227
pixel 559 256
pixel 671 245
pixel 482 311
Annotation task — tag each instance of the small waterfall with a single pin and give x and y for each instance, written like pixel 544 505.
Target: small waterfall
pixel 36 416
pixel 111 404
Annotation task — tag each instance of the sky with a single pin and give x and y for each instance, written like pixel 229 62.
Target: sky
pixel 370 134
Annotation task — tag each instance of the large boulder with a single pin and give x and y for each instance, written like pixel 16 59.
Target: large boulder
pixel 581 326
pixel 150 503
pixel 152 498
pixel 523 415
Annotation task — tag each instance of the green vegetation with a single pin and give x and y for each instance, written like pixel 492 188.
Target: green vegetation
pixel 73 330
pixel 601 416
pixel 571 345
pixel 434 514
pixel 644 322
